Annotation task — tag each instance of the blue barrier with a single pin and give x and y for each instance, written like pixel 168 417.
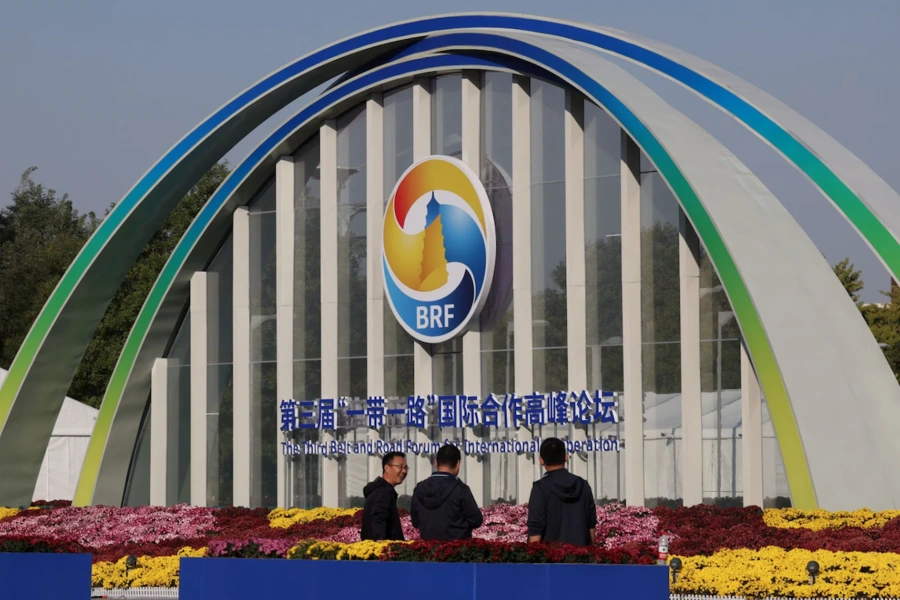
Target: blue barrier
pixel 33 576
pixel 241 578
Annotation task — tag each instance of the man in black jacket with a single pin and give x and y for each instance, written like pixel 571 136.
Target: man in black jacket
pixel 381 521
pixel 443 507
pixel 561 507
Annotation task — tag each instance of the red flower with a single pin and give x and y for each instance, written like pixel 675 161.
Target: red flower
pixel 483 551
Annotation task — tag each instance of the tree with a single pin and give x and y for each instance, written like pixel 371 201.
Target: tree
pixel 40 235
pixel 714 305
pixel 884 322
pixel 603 273
pixel 102 353
pixel 850 278
pixel 660 315
pixel 883 319
pixel 660 308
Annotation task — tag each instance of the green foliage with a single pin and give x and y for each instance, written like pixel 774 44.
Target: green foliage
pixel 100 358
pixel 660 312
pixel 21 546
pixel 850 278
pixel 715 308
pixel 884 322
pixel 660 308
pixel 883 319
pixel 40 235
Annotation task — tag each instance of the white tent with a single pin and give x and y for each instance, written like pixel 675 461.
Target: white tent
pixel 66 450
pixel 721 464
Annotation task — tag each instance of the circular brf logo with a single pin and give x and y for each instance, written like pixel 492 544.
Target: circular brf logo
pixel 438 248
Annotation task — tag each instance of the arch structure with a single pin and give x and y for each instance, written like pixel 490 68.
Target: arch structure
pixel 833 401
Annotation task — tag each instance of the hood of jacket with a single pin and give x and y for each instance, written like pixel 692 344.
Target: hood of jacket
pixel 376 484
pixel 563 485
pixel 435 490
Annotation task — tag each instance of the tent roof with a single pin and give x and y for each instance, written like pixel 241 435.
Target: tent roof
pixel 75 418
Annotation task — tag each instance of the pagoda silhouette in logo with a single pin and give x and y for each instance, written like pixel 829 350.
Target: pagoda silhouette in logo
pixel 434 262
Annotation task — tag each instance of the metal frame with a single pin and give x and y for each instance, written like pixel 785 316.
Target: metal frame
pixel 732 280
pixel 45 364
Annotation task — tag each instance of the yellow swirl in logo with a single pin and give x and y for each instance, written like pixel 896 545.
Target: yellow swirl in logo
pixel 417 259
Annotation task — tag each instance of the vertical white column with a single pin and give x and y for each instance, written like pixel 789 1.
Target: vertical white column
pixel 299 333
pixel 159 431
pixel 374 285
pixel 691 407
pixel 213 493
pixel 423 364
pixel 329 266
pixel 284 299
pixel 241 345
pixel 524 336
pixel 576 294
pixel 199 385
pixel 751 426
pixel 631 322
pixel 471 342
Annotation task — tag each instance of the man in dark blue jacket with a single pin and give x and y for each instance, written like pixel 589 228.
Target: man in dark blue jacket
pixel 443 507
pixel 561 507
pixel 381 520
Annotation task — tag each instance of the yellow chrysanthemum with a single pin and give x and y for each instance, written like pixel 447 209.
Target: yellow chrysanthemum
pixel 161 571
pixel 8 512
pixel 777 572
pixel 285 517
pixel 817 520
pixel 316 550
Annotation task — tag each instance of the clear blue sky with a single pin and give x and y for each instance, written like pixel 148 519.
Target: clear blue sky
pixel 94 91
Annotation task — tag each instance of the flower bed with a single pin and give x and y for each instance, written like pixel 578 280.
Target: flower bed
pixel 98 527
pixel 8 512
pixel 724 551
pixel 817 520
pixel 472 551
pixel 285 517
pixel 161 571
pixel 481 551
pixel 778 572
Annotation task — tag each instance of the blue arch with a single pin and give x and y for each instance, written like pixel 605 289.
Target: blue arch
pixel 49 355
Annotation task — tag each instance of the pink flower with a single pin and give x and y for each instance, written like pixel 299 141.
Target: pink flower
pixel 346 535
pixel 349 535
pixel 96 527
pixel 409 532
pixel 618 524
pixel 266 547
pixel 504 523
pixel 104 529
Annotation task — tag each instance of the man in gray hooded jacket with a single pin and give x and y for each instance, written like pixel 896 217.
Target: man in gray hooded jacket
pixel 443 507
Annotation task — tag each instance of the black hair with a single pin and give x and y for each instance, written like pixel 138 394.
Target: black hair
pixel 389 457
pixel 448 456
pixel 553 451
